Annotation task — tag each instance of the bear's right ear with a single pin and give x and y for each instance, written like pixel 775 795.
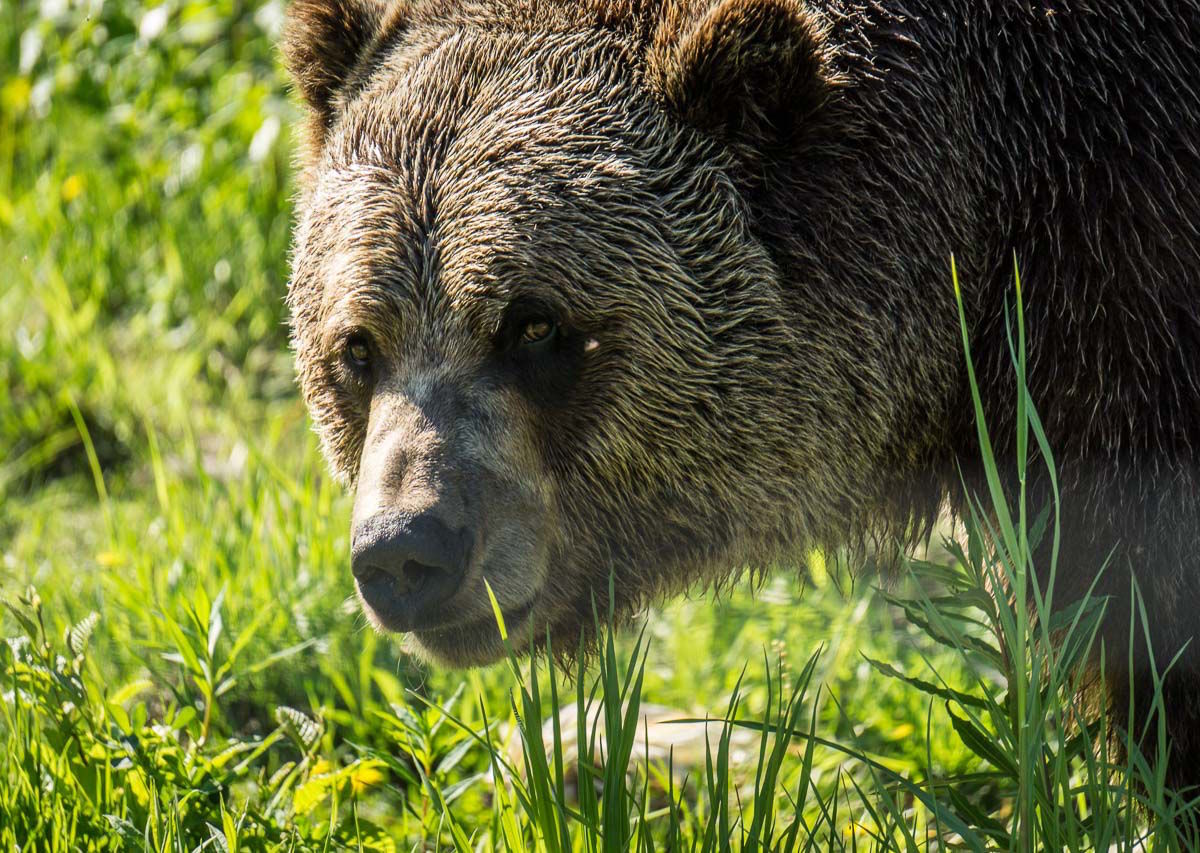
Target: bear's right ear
pixel 747 71
pixel 323 43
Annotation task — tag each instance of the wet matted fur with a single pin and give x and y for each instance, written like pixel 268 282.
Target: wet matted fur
pixel 739 215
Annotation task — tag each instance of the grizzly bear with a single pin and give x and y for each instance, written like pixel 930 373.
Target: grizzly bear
pixel 660 290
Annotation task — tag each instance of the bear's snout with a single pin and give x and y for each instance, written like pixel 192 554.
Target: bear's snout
pixel 448 503
pixel 407 567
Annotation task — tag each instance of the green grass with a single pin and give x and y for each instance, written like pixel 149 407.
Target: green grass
pixel 184 669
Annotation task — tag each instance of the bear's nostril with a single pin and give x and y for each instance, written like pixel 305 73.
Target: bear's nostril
pixel 372 576
pixel 413 575
pixel 406 569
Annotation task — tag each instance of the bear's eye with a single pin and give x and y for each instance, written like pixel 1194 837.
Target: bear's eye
pixel 358 350
pixel 538 331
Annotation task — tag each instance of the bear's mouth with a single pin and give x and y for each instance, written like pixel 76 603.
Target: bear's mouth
pixel 476 642
pixel 514 619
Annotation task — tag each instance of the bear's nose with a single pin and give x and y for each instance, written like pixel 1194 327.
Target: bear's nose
pixel 407 568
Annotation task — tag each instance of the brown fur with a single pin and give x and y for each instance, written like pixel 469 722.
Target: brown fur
pixel 740 212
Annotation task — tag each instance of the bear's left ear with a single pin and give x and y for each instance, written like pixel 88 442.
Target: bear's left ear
pixel 323 43
pixel 748 71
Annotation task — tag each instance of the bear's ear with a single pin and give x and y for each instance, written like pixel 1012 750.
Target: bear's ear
pixel 323 43
pixel 748 71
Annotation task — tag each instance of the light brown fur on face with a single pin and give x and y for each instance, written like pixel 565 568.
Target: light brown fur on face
pixel 658 290
pixel 542 170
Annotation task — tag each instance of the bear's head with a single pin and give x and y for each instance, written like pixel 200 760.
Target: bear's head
pixel 535 321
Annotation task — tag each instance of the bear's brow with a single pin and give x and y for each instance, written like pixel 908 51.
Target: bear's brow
pixel 372 309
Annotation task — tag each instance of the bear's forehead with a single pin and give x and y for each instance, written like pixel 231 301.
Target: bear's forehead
pixel 481 179
pixel 487 93
pixel 628 18
pixel 467 238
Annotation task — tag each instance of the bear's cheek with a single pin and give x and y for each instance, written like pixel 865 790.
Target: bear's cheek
pixel 339 414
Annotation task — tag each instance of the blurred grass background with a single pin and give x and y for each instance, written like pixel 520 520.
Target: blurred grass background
pixel 156 469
